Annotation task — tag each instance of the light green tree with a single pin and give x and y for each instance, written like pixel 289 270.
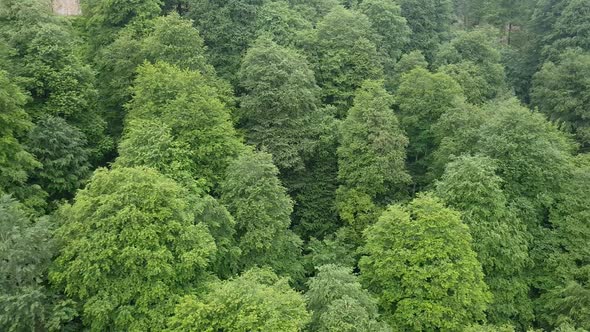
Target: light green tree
pixel 130 249
pixel 257 300
pixel 418 259
pixel 184 101
pixel 500 240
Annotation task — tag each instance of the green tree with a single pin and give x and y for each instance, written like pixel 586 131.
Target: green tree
pixel 26 252
pixel 371 156
pixel 430 23
pixel 338 302
pixel 474 61
pixel 62 151
pixel 228 28
pixel 570 30
pixel 285 25
pixel 16 164
pixel 185 102
pixel 561 90
pixel 420 262
pixel 500 240
pixel 406 63
pixel 279 98
pixel 421 99
pixel 105 18
pixel 344 56
pixel 169 39
pixel 258 300
pixel 314 10
pixel 253 194
pixel 566 285
pixel 130 249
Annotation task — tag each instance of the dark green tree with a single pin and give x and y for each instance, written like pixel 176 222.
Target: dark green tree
pixel 473 60
pixel 566 286
pixel 419 260
pixel 562 90
pixel 26 252
pixel 371 157
pixel 284 24
pixel 421 99
pixel 430 23
pixel 62 151
pixel 130 249
pixel 253 194
pixel 571 29
pixel 184 101
pixel 344 56
pixel 228 27
pixel 500 240
pixel 279 98
pixel 258 300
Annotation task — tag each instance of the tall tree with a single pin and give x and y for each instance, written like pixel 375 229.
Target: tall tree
pixel 253 194
pixel 62 151
pixel 335 297
pixel 257 300
pixel 45 57
pixel 566 283
pixel 421 99
pixel 26 252
pixel 279 98
pixel 430 22
pixel 500 240
pixel 170 39
pixel 571 29
pixel 562 91
pixel 371 156
pixel 184 101
pixel 419 260
pixel 344 56
pixel 284 24
pixel 229 27
pixel 131 249
pixel 474 62
pixel 16 164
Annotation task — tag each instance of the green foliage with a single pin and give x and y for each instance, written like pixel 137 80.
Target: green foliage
pixel 168 38
pixel 45 59
pixel 338 302
pixel 407 62
pixel 419 261
pixel 184 101
pixel 258 300
pixel 430 23
pixel 285 25
pixel 421 99
pixel 261 207
pixel 15 162
pixel 228 28
pixel 130 249
pixel 344 56
pixel 151 144
pixel 63 153
pixel 104 18
pixel 279 98
pixel 26 251
pixel 474 62
pixel 371 155
pixel 570 30
pixel 567 282
pixel 500 240
pixel 561 90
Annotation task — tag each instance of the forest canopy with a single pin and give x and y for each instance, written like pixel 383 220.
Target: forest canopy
pixel 295 165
